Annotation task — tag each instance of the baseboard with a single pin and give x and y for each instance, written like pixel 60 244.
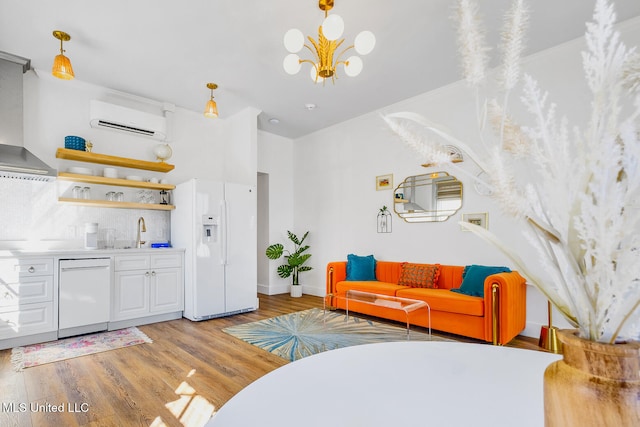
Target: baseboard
pixel 28 340
pixel 284 289
pixel 81 330
pixel 310 290
pixel 273 289
pixel 121 324
pixel 532 330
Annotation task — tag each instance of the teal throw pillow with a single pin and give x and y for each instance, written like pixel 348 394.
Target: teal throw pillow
pixel 474 277
pixel 361 268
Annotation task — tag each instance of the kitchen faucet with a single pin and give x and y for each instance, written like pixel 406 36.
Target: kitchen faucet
pixel 139 242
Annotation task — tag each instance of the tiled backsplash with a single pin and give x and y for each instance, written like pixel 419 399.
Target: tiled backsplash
pixel 31 211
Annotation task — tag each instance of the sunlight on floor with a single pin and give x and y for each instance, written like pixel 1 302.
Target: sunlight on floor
pixel 190 408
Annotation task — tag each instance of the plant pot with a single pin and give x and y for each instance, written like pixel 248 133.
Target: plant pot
pixel 595 384
pixel 296 291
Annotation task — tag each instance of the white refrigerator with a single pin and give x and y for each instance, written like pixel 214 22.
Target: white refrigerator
pixel 216 224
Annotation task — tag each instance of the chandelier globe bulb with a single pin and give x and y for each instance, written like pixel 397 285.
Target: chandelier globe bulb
pixel 291 64
pixel 333 27
pixel 294 40
pixel 364 42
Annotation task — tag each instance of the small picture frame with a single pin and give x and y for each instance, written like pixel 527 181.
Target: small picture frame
pixel 479 219
pixel 384 182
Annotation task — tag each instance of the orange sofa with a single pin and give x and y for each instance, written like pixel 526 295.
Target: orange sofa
pixel 497 317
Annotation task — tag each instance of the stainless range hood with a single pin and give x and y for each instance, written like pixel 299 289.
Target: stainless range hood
pixel 16 162
pixel 20 163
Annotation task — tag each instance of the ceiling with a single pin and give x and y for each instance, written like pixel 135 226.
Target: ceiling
pixel 168 50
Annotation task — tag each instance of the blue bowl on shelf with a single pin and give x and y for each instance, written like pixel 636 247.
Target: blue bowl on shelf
pixel 74 143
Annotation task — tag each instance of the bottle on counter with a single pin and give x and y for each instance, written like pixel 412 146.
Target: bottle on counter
pixel 91 235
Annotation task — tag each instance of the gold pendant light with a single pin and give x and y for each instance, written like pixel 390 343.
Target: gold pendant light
pixel 211 109
pixel 61 64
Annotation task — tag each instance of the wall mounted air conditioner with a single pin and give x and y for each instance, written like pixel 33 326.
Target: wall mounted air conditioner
pixel 115 117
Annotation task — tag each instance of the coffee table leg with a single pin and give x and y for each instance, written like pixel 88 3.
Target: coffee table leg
pixel 324 311
pixel 347 308
pixel 408 328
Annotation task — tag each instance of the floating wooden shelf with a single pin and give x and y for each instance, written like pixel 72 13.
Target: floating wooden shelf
pixel 84 156
pixel 90 179
pixel 120 205
pixel 401 200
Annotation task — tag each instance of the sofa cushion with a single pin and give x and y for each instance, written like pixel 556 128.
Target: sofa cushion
pixel 388 271
pixel 474 277
pixel 361 268
pixel 450 276
pixel 419 275
pixel 443 300
pixel 381 288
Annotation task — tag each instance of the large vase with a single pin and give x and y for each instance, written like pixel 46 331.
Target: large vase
pixel 595 384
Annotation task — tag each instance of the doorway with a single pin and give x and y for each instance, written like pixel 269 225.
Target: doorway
pixel 263 232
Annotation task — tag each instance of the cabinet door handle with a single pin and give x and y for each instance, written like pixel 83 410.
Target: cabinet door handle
pixel 31 269
pixel 153 273
pixel 146 274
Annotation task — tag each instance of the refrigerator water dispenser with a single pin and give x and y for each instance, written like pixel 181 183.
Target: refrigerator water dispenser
pixel 210 227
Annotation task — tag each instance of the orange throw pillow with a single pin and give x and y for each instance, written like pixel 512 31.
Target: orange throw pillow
pixel 419 275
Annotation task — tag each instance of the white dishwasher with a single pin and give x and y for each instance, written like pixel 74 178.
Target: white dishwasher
pixel 84 289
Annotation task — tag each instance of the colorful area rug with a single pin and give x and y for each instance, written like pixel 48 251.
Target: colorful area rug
pixel 68 348
pixel 297 335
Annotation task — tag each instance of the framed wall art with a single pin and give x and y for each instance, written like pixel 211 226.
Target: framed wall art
pixel 479 219
pixel 384 182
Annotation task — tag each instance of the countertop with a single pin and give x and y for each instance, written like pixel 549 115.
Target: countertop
pixel 77 252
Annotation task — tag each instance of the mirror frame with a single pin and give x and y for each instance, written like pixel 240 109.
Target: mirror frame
pixel 422 215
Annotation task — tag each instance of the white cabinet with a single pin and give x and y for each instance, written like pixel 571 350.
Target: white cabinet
pixel 147 285
pixel 27 303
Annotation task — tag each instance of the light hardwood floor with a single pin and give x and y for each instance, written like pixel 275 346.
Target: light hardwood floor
pixel 190 370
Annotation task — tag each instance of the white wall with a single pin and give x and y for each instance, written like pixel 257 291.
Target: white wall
pixel 336 168
pixel 240 147
pixel 275 158
pixel 55 108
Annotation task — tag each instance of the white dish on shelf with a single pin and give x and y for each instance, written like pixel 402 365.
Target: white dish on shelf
pixel 110 172
pixel 134 178
pixel 80 171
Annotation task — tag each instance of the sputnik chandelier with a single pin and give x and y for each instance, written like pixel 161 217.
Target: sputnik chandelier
pixel 325 60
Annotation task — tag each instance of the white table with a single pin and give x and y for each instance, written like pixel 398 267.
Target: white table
pixel 394 384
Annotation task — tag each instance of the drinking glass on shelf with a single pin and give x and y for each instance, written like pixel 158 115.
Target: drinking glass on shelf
pixel 111 196
pixel 120 196
pixel 86 193
pixel 77 192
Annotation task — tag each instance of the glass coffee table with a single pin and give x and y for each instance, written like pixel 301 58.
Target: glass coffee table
pixel 403 304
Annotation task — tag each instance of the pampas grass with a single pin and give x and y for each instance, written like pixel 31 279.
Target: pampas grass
pixel 474 51
pixel 513 43
pixel 579 206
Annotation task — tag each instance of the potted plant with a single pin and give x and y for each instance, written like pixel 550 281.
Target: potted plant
pixel 295 260
pixel 577 204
